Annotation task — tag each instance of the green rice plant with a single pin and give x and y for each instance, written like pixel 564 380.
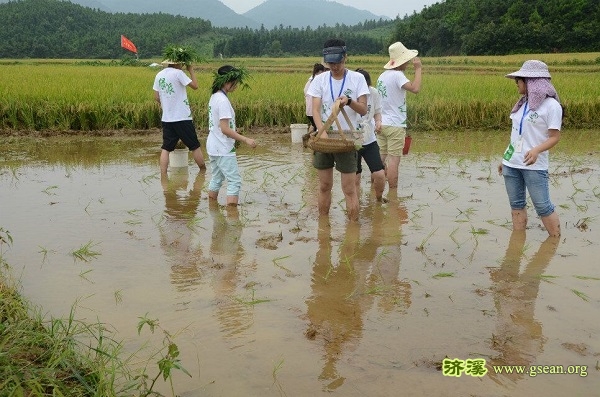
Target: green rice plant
pixel 50 190
pixel 44 251
pixel 581 295
pixel 460 95
pixel 443 275
pixel 421 246
pixel 85 253
pixel 587 278
pixel 252 300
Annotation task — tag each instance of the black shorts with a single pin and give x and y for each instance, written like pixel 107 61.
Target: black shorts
pixel 372 157
pixel 176 130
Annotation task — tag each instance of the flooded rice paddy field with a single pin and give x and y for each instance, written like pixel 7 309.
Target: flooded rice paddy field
pixel 270 300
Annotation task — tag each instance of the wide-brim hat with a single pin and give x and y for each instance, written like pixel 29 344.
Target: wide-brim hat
pixel 531 69
pixel 399 55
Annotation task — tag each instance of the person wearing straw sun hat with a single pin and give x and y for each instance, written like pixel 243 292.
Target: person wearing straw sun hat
pixel 536 123
pixel 351 90
pixel 177 124
pixel 392 85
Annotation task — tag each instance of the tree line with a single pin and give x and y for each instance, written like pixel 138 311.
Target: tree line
pixel 60 29
pixel 500 27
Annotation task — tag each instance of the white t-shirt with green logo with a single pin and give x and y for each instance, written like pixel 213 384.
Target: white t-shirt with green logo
pixel 393 97
pixel 217 143
pixel 171 84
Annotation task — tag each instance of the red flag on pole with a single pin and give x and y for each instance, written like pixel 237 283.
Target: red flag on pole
pixel 127 44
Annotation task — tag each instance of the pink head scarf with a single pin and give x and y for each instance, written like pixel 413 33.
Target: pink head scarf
pixel 538 89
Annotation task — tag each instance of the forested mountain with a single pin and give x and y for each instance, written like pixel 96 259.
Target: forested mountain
pixel 453 27
pixel 271 13
pixel 492 27
pixel 57 29
pixel 304 13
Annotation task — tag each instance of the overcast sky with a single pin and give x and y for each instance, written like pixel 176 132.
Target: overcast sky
pixel 389 8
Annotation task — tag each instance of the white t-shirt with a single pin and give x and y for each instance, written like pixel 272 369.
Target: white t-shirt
pixel 219 108
pixel 536 124
pixel 171 85
pixel 393 97
pixel 327 88
pixel 368 121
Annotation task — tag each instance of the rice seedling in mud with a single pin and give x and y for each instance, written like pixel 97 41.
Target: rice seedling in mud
pixel 85 253
pixel 253 300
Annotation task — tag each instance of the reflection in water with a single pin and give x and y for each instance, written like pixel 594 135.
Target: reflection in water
pixel 177 229
pixel 518 338
pixel 367 270
pixel 234 315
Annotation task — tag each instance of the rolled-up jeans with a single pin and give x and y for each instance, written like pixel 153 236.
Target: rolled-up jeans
pixel 517 180
pixel 225 168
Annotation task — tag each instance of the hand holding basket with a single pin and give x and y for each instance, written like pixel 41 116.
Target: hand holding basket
pixel 340 141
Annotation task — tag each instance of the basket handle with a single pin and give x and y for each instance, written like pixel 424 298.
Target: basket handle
pixel 333 117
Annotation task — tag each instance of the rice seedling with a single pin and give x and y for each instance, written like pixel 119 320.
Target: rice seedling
pixel 547 278
pixel 443 275
pixel 421 246
pixel 118 296
pixel 252 301
pixel 580 294
pixel 447 195
pixel 288 272
pixel 50 190
pixel 85 253
pixel 45 251
pixel 276 368
pixel 467 212
pixel 587 278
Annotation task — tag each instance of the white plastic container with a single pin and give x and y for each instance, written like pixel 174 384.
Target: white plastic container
pixel 298 130
pixel 178 158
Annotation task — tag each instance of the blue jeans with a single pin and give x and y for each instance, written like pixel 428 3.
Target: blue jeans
pixel 517 180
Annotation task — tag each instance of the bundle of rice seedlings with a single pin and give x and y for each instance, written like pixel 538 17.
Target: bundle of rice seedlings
pixel 180 54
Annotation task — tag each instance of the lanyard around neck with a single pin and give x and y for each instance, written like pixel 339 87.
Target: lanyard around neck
pixel 341 88
pixel 523 118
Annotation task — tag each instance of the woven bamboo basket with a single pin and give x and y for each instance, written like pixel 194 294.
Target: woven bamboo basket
pixel 339 141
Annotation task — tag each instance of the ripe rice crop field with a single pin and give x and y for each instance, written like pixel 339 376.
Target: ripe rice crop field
pixel 457 92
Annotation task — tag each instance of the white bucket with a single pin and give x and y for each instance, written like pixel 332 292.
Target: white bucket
pixel 178 158
pixel 297 131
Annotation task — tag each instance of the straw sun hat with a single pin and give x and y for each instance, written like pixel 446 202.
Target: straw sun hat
pixel 399 55
pixel 532 68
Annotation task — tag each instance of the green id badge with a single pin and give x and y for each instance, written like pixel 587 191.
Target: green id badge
pixel 509 152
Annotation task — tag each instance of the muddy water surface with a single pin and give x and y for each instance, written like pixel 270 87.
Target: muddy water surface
pixel 269 300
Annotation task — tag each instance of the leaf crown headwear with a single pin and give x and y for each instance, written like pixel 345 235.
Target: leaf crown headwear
pixel 228 73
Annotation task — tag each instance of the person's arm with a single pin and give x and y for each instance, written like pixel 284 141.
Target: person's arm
pixel 532 155
pixel 359 105
pixel 316 105
pixel 228 131
pixel 194 83
pixel 415 85
pixel 377 112
pixel 157 97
